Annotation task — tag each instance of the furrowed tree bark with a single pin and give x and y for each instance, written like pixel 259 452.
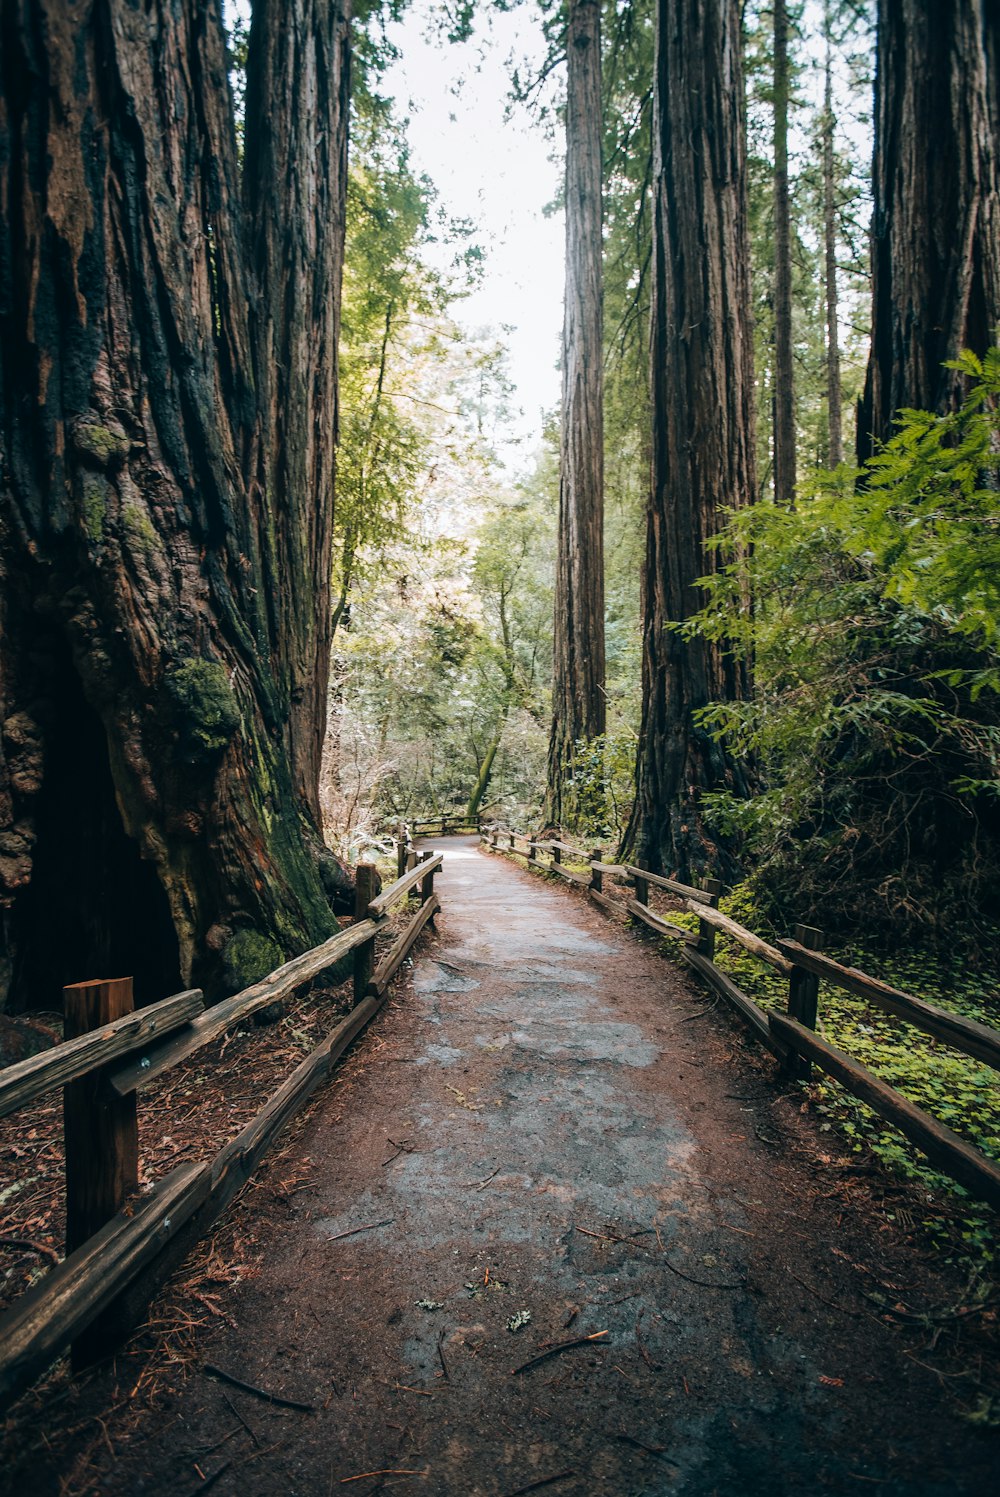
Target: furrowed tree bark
pixel 835 420
pixel 702 391
pixel 578 705
pixel 936 215
pixel 144 677
pixel 784 367
pixel 296 155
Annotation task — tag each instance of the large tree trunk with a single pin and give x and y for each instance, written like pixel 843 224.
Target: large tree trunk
pixel 146 795
pixel 936 218
pixel 703 422
pixel 784 368
pixel 578 707
pixel 835 422
pixel 296 155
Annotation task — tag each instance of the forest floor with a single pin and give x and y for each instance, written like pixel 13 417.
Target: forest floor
pixel 551 1227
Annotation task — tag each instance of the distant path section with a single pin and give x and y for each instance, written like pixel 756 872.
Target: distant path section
pixel 545 1137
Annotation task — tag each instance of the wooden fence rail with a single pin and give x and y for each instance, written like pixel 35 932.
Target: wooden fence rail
pixel 790 1036
pixel 91 1299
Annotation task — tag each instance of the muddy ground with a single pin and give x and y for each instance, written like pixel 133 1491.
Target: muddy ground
pixel 548 1136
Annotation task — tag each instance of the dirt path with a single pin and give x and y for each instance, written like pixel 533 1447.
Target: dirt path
pixel 544 1123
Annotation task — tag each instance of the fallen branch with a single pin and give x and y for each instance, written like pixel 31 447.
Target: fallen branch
pixel 702 1283
pixel 353 1231
pixel 554 1351
pixel 234 1382
pixel 543 1481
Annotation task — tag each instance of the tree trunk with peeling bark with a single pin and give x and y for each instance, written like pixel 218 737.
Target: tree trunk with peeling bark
pixel 784 365
pixel 936 215
pixel 703 425
pixel 168 397
pixel 578 706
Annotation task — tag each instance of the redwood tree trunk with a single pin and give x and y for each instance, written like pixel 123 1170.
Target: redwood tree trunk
pixel 296 156
pixel 703 421
pixel 835 422
pixel 147 664
pixel 578 708
pixel 936 218
pixel 784 369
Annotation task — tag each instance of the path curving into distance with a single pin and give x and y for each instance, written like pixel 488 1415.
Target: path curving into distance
pixel 546 1129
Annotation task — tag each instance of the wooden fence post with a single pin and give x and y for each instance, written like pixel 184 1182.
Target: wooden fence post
pixel 427 882
pixel 596 876
pixel 532 851
pixel 401 840
pixel 556 856
pixel 444 825
pixel 102 1146
pixel 365 887
pixel 706 932
pixel 411 856
pixel 803 999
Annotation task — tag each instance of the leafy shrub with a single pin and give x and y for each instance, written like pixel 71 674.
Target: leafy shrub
pixel 875 723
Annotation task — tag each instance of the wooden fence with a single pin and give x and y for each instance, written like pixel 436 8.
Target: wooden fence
pixel 120 1249
pixel 791 1035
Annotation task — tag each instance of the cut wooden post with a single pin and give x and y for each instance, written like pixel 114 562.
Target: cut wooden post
pixel 532 851
pixel 365 890
pixel 706 932
pixel 400 849
pixel 803 999
pixel 427 883
pixel 102 1145
pixel 444 826
pixel 556 851
pixel 596 876
pixel 411 857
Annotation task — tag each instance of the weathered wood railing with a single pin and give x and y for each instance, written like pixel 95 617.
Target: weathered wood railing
pixel 110 1271
pixel 790 1035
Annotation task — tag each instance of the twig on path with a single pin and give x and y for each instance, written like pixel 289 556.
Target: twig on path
pixel 444 1368
pixel 543 1481
pixel 702 1283
pixel 211 1480
pixel 234 1382
pixel 481 1184
pixel 406 1147
pixel 386 1471
pixel 554 1350
pixel 854 1314
pixel 404 1388
pixel 368 1227
pixel 249 1428
pixel 701 1012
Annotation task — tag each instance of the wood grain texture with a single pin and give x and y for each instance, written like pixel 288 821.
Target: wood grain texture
pixel 388 897
pixel 38 1074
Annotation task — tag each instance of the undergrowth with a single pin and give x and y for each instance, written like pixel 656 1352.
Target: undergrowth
pixel 958 1090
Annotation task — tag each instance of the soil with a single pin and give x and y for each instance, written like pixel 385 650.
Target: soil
pixel 549 1136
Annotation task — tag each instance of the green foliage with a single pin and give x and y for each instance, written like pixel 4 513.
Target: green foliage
pixel 876 720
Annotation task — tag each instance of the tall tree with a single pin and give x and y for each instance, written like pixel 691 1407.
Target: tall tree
pixel 784 367
pixel 703 422
pixel 163 534
pixel 578 707
pixel 835 420
pixel 936 218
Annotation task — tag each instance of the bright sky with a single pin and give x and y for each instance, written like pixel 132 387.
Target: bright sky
pixel 500 175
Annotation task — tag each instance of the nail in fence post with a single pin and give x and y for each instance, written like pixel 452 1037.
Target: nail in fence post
pixel 706 932
pixel 803 998
pixel 102 1146
pixel 596 876
pixel 366 883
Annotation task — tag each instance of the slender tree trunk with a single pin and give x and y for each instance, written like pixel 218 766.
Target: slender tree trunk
pixel 153 644
pixel 835 422
pixel 936 218
pixel 485 770
pixel 703 422
pixel 784 369
pixel 578 708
